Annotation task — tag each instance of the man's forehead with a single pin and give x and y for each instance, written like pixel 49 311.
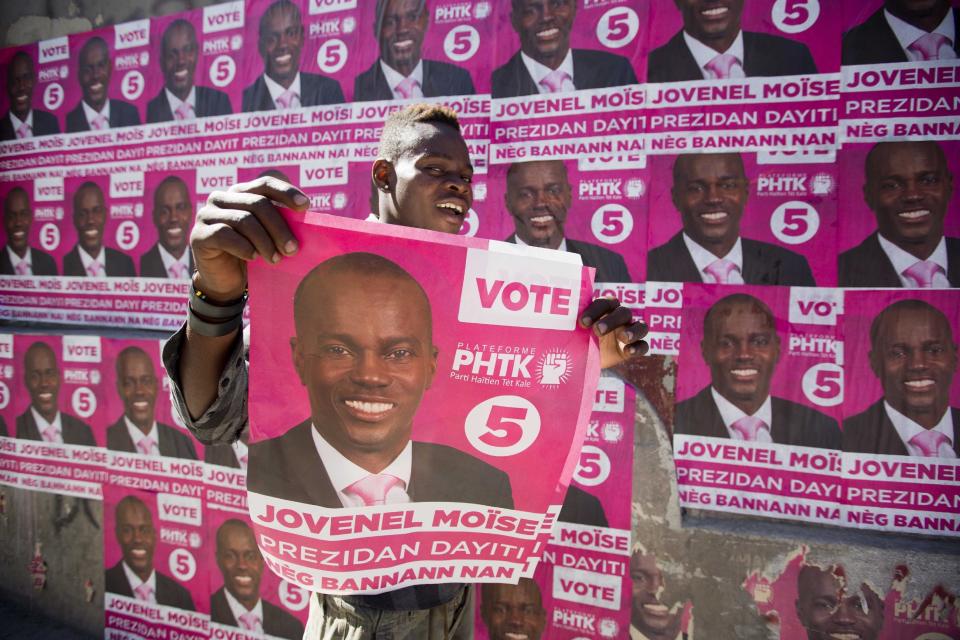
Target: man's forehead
pixel 906 323
pixel 904 156
pixel 696 166
pixel 430 138
pixel 726 312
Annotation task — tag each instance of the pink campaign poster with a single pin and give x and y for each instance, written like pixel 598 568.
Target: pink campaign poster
pixel 759 389
pixel 155 566
pixel 374 407
pixel 247 600
pixel 58 401
pixel 773 215
pixel 32 94
pixel 900 369
pixel 595 212
pixel 899 208
pixel 30 231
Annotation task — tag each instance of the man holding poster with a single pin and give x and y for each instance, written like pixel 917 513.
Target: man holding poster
pixel 741 347
pixel 904 31
pixel 18 257
pixel 913 354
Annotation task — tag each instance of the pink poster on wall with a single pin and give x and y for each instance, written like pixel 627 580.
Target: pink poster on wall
pixel 155 569
pixel 32 96
pixel 377 396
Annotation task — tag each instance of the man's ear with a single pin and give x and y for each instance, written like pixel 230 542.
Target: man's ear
pixel 384 175
pixel 297 358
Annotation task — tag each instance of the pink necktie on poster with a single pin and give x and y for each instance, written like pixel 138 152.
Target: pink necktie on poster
pixel 927 46
pixel 243 461
pixel 144 592
pixel 50 434
pixel 184 112
pixel 748 427
pixel 922 273
pixel 250 621
pixel 23 268
pixel 721 270
pixel 99 123
pixel 721 65
pixel 929 443
pixel 146 446
pixel 176 270
pixel 285 99
pixel 407 86
pixel 374 488
pixel 94 269
pixel 554 80
pixel 24 131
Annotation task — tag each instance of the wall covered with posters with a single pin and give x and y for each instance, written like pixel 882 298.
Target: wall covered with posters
pixel 765 181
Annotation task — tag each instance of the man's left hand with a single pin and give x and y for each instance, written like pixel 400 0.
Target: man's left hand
pixel 621 339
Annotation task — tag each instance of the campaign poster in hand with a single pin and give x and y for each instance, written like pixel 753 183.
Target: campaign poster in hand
pixel 398 458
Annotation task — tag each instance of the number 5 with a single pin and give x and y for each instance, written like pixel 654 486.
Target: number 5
pixel 504 424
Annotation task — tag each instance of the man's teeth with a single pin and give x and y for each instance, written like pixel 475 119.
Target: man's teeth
pixel 845 636
pixel 453 207
pixel 714 216
pixel 403 44
pixel 744 372
pixel 180 75
pixel 244 580
pixel 138 553
pixel 541 219
pixel 46 395
pixel 284 59
pixel 369 407
pixel 96 87
pixel 18 234
pixel 658 609
pixel 515 636
pixel 176 232
pixel 91 233
pixel 920 384
pixel 548 33
pixel 713 13
pixel 913 215
pixel 141 404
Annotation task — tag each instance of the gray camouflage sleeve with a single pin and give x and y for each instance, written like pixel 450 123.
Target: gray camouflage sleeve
pixel 226 418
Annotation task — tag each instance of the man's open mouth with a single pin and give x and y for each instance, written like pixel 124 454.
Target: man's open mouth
pixel 922 384
pixel 715 12
pixel 368 409
pixel 914 216
pixel 452 206
pixel 744 373
pixel 714 216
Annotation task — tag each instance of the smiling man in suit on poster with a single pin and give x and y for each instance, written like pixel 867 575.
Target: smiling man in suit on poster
pixel 89 257
pixel 18 257
pixel 22 120
pixel 96 111
pixel 43 419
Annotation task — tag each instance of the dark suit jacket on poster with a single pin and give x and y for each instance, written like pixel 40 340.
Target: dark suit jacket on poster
pixel 169 592
pixel 173 444
pixel 74 430
pixel 609 264
pixel 118 264
pixel 872 432
pixel 763 263
pixel 3 428
pixel 151 264
pixel 122 114
pixel 439 79
pixel 44 124
pixel 867 265
pixel 580 507
pixel 276 621
pixel 792 423
pixel 42 263
pixel 288 467
pixel 315 90
pixel 209 102
pixel 221 455
pixel 591 70
pixel 763 55
pixel 874 42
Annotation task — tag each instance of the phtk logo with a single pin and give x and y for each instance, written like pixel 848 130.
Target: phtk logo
pixel 481 10
pixel 609 628
pixel 612 432
pixel 349 24
pixel 822 184
pixel 553 368
pixel 636 188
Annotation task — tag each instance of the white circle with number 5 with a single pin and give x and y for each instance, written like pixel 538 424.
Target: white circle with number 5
pixel 618 27
pixel 823 384
pixel 53 96
pixel 49 236
pixel 332 55
pixel 503 425
pixel 182 564
pixel 593 468
pixel 128 235
pixel 611 223
pixel 293 597
pixel 4 395
pixel 223 70
pixel 132 85
pixel 471 224
pixel 461 43
pixel 795 222
pixel 795 16
pixel 84 402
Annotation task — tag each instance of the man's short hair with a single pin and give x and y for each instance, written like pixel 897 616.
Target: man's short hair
pixel 732 299
pixel 875 149
pixel 89 184
pixel 686 157
pixel 179 23
pixel 903 305
pixel 169 180
pixel 130 502
pixel 10 194
pixel 396 129
pixel 359 263
pixel 95 41
pixel 515 166
pixel 382 8
pixel 126 353
pixel 232 522
pixel 279 5
pixel 19 55
pixel 38 346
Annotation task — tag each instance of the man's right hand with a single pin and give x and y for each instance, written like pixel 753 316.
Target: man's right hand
pixel 238 225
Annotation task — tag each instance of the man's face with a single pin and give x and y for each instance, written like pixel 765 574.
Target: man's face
pixel 178 60
pixel 136 536
pixel 710 192
pixel 17 218
pixel 137 386
pixel 741 347
pixel 365 376
pixel 240 563
pixel 20 83
pixel 544 26
pixel 43 381
pixel 908 188
pixel 94 71
pixel 401 34
pixel 280 43
pixel 513 612
pixel 708 20
pixel 538 198
pixel 433 187
pixel 172 215
pixel 915 359
pixel 89 218
pixel 649 614
pixel 827 611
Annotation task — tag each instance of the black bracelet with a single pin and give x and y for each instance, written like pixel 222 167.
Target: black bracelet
pixel 201 305
pixel 212 329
